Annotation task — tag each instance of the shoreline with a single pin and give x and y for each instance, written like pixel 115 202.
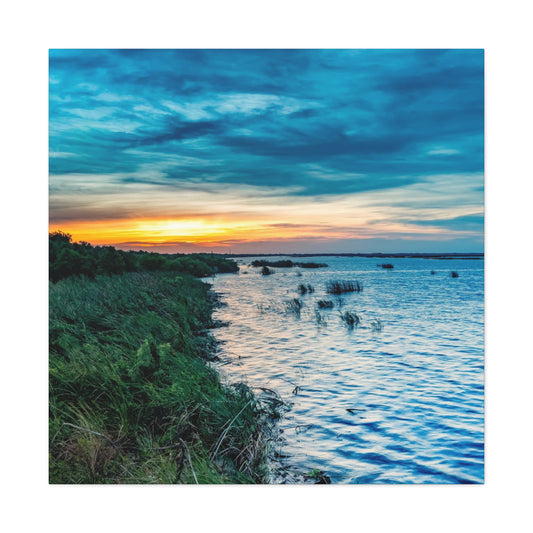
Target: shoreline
pixel 133 397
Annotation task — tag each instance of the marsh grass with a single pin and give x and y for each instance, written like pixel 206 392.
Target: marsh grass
pixel 131 397
pixel 304 289
pixel 294 307
pixel 320 319
pixel 351 319
pixel 340 287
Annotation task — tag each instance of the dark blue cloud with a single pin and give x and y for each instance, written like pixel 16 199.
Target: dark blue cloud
pixel 368 119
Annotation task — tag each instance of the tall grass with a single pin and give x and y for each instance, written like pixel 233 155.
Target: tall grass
pixel 351 319
pixel 339 287
pixel 294 307
pixel 304 289
pixel 131 398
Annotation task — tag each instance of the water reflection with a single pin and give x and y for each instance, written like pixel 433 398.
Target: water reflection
pixel 396 399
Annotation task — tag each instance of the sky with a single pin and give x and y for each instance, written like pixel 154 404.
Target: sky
pixel 268 151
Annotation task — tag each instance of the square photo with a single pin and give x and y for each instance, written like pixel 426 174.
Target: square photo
pixel 266 266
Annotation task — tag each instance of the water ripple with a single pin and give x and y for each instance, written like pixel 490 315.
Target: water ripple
pixel 400 405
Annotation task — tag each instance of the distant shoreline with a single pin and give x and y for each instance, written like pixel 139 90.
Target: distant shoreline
pixel 480 255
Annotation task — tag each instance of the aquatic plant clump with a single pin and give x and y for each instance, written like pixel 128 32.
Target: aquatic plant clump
pixel 376 325
pixel 266 271
pixel 304 289
pixel 286 263
pixel 325 304
pixel 339 287
pixel 320 320
pixel 351 319
pixel 454 274
pixel 387 266
pixel 311 265
pixel 294 307
pixel 279 264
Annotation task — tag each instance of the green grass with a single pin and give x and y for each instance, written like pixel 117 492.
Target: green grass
pixel 132 399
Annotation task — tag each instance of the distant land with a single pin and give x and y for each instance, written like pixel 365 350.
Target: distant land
pixel 382 255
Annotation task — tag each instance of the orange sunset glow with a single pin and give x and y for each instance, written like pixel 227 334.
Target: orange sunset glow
pixel 184 151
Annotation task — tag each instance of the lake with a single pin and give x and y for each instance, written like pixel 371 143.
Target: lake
pixel 398 398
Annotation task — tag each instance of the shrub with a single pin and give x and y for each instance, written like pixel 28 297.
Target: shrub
pixel 67 259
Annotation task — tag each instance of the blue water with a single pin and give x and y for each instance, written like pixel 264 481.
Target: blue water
pixel 404 404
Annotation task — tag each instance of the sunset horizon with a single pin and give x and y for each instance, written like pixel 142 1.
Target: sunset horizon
pixel 268 151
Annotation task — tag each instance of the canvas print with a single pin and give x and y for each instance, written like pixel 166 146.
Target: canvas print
pixel 266 266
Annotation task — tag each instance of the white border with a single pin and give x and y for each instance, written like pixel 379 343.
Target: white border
pixel 31 28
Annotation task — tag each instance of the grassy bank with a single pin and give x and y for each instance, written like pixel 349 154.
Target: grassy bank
pixel 131 397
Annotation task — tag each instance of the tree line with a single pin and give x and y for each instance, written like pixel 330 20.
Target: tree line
pixel 68 258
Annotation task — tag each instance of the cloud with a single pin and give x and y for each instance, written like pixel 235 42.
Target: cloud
pixel 302 123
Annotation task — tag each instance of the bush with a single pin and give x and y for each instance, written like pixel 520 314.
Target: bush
pixel 81 259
